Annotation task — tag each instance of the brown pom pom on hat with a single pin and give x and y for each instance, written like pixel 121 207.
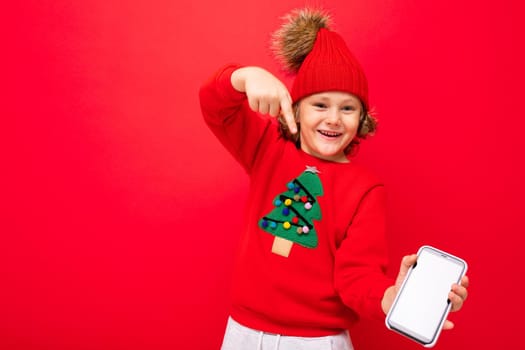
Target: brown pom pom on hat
pixel 318 56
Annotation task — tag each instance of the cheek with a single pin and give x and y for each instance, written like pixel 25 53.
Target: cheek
pixel 307 122
pixel 352 124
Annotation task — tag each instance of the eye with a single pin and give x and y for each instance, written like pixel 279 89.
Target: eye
pixel 319 105
pixel 348 108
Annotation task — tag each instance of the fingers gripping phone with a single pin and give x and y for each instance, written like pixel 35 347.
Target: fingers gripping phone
pixel 421 305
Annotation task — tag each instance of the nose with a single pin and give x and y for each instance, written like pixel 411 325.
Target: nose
pixel 332 116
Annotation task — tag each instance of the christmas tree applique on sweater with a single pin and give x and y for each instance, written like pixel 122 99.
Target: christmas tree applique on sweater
pixel 291 221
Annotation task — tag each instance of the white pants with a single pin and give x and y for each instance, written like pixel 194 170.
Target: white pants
pixel 239 337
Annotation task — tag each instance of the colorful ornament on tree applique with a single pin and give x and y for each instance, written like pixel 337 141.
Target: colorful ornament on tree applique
pixel 291 221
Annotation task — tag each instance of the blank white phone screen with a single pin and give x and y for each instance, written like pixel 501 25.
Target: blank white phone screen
pixel 424 299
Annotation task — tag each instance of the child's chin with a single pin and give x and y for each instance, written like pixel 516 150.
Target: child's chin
pixel 331 152
pixel 333 156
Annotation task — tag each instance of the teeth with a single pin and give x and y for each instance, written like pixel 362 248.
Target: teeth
pixel 329 133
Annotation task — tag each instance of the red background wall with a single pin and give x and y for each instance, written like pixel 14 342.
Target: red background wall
pixel 115 229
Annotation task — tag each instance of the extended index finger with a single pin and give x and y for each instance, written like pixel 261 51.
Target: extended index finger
pixel 287 112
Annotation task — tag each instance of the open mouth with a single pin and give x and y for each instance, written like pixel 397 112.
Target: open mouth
pixel 331 134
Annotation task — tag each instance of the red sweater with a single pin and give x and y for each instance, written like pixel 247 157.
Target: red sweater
pixel 318 290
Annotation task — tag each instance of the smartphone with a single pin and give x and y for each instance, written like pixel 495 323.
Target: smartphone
pixel 421 305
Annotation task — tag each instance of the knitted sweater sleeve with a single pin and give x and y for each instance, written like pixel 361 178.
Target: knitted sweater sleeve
pixel 227 114
pixel 362 257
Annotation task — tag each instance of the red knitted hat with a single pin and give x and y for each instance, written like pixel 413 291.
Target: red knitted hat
pixel 330 66
pixel 318 56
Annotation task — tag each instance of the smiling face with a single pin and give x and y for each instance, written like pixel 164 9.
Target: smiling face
pixel 328 123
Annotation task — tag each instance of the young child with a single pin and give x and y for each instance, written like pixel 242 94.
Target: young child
pixel 313 251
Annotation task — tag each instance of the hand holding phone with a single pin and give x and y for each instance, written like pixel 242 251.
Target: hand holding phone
pixel 421 305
